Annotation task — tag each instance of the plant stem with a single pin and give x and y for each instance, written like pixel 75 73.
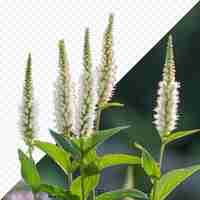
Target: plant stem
pixel 70 179
pixel 82 187
pixel 30 152
pixel 98 120
pixel 130 180
pixel 162 155
pixel 154 190
pixel 93 194
pixel 82 169
pixel 34 195
pixel 162 150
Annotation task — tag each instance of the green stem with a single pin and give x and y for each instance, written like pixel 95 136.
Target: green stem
pixel 82 169
pixel 82 182
pixel 98 119
pixel 154 189
pixel 162 150
pixel 70 179
pixel 34 195
pixel 163 145
pixel 130 180
pixel 30 152
pixel 93 194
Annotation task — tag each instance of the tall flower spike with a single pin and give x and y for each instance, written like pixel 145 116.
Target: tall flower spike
pixel 87 98
pixel 27 118
pixel 168 95
pixel 64 95
pixel 107 70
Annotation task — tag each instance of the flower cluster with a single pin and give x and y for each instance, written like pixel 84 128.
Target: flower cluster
pixel 76 116
pixel 168 95
pixel 64 95
pixel 87 98
pixel 27 118
pixel 107 70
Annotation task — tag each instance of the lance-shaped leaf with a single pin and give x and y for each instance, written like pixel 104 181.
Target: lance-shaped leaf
pixel 29 171
pixel 90 183
pixel 180 134
pixel 120 194
pixel 172 179
pixel 118 159
pixel 100 137
pixel 150 166
pixel 67 144
pixel 57 192
pixel 61 157
pixel 99 163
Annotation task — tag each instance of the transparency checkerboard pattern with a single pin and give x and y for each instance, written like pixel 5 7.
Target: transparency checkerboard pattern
pixel 37 26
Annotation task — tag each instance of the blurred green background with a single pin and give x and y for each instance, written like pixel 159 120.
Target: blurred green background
pixel 137 90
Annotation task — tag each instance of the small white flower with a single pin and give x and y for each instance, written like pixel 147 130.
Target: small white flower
pixel 168 95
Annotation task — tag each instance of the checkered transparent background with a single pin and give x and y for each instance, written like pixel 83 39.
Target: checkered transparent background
pixel 36 26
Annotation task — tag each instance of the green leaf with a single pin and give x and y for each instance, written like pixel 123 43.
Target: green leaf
pixel 57 192
pixel 172 179
pixel 111 104
pixel 67 144
pixel 29 171
pixel 151 167
pixel 90 182
pixel 180 134
pixel 61 157
pixel 120 194
pixel 118 159
pixel 100 137
pixel 96 165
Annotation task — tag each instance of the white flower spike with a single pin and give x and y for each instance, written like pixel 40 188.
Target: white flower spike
pixel 64 95
pixel 27 117
pixel 107 70
pixel 87 97
pixel 168 95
